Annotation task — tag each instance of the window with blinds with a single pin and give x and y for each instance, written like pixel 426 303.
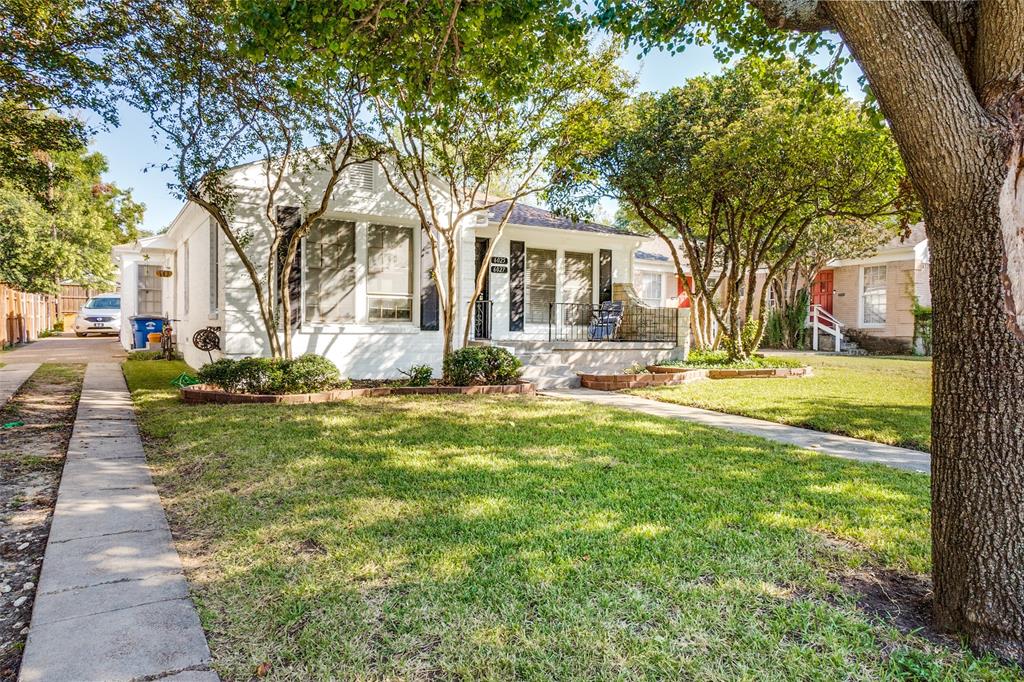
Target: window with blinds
pixel 389 272
pixel 149 298
pixel 330 272
pixel 540 284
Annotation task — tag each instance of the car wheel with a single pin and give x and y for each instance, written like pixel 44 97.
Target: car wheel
pixel 80 334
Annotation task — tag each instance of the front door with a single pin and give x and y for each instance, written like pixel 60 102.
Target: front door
pixel 821 290
pixel 482 306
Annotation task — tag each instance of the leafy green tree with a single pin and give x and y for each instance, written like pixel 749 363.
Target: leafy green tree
pixel 732 171
pixel 949 79
pixel 68 233
pixel 299 124
pixel 454 158
pixel 474 102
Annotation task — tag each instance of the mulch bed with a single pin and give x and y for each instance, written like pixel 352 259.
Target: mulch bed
pixel 31 459
pixel 204 393
pixel 665 375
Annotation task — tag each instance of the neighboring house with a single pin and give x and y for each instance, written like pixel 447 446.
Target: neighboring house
pixel 655 279
pixel 873 297
pixel 363 289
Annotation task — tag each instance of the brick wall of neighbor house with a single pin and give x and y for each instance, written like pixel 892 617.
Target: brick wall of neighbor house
pixel 845 299
pixel 903 280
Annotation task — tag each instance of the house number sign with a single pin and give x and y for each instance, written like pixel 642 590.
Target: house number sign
pixel 499 260
pixel 499 269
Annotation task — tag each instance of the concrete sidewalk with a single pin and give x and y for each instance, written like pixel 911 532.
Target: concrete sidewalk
pixel 825 443
pixel 12 377
pixel 113 603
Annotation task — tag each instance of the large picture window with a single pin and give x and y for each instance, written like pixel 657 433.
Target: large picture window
pixel 330 272
pixel 389 273
pixel 873 301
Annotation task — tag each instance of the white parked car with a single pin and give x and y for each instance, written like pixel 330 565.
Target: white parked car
pixel 100 315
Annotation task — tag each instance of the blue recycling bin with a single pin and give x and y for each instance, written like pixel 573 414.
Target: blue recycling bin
pixel 144 326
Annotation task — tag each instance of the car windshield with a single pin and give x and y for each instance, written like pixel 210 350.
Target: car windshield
pixel 103 303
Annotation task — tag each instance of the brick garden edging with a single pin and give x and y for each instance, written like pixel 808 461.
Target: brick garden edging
pixel 661 375
pixel 204 393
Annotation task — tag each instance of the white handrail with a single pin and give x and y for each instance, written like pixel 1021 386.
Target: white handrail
pixel 817 317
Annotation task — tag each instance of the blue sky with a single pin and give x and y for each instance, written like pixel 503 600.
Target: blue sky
pixel 135 157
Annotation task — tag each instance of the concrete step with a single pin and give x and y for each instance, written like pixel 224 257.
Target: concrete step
pixel 544 383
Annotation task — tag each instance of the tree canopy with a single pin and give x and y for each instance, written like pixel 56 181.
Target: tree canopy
pixel 737 168
pixel 67 233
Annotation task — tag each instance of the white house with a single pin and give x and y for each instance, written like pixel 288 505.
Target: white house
pixel 363 288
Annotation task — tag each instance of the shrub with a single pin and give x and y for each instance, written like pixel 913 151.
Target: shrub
pixel 719 359
pixel 310 374
pixel 220 373
pixel 307 374
pixel 419 375
pixel 636 368
pixel 476 365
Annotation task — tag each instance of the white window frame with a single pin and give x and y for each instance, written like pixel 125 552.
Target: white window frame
pixel 861 294
pixel 660 300
pixel 214 284
pixel 362 323
pixel 185 275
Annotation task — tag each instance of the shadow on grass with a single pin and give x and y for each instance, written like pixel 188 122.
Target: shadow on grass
pixel 524 538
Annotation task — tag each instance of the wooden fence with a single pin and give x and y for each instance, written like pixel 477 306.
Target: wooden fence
pixel 74 296
pixel 24 316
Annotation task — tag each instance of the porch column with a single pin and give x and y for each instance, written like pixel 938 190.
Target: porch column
pixel 682 349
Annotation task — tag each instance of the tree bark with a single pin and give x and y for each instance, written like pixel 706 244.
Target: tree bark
pixel 977 429
pixel 958 145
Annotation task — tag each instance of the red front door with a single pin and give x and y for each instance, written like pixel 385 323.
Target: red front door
pixel 821 290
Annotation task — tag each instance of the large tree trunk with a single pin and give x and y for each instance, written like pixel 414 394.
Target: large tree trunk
pixel 958 137
pixel 977 427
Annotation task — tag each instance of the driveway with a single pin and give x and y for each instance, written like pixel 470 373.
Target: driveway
pixel 68 348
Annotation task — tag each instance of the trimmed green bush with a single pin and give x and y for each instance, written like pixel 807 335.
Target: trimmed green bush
pixel 481 365
pixel 307 374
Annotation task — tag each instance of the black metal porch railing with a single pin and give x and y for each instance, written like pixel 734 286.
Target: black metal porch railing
pixel 612 322
pixel 482 319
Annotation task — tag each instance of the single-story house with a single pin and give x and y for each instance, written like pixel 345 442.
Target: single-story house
pixel 363 287
pixel 873 297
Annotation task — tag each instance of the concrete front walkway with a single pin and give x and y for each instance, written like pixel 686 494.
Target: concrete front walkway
pixel 112 602
pixel 12 377
pixel 825 443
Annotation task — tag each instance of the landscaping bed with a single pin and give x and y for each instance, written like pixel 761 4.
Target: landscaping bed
pixel 673 375
pixel 205 393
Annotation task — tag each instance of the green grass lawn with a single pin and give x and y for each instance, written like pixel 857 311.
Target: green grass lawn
pixel 887 400
pixel 462 537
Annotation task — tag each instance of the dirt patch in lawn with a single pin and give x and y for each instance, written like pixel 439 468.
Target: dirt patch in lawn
pixel 899 599
pixel 31 459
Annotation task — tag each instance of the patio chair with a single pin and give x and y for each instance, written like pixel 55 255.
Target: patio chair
pixel 604 325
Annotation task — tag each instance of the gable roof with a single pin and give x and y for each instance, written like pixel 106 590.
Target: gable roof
pixel 532 216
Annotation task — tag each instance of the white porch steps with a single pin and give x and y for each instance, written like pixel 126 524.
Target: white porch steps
pixel 548 364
